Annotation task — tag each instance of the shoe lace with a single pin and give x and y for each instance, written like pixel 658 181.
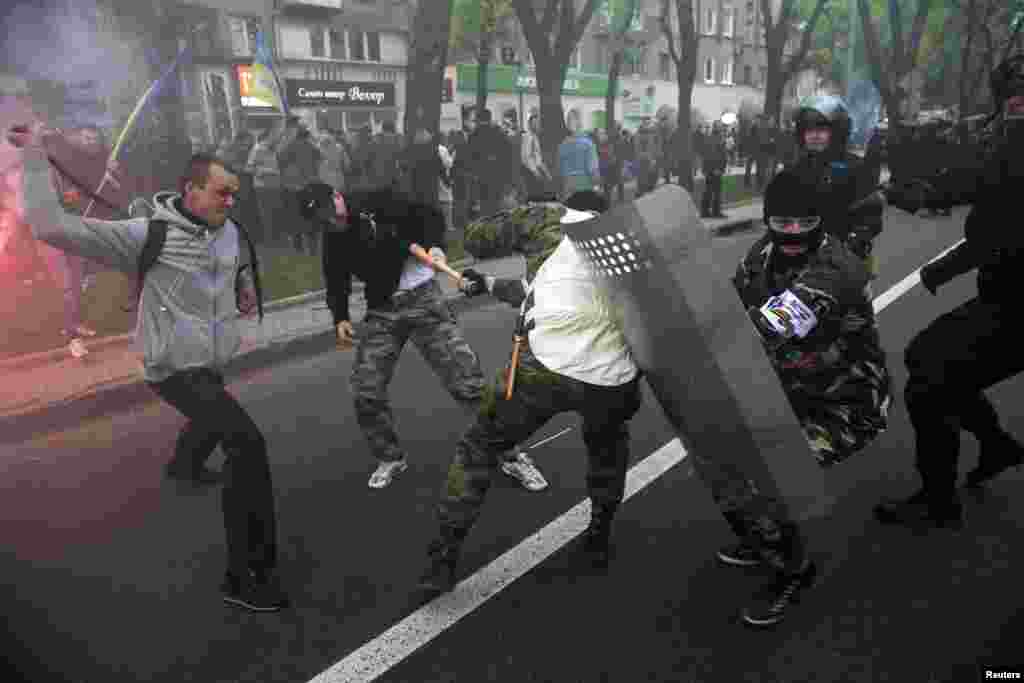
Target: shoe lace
pixel 787 588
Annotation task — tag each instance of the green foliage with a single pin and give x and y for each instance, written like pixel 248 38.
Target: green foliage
pixel 473 18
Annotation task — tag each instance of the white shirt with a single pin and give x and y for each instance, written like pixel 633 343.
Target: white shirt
pixel 575 334
pixel 414 274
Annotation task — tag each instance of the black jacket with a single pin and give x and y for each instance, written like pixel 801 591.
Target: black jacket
pixel 847 181
pixel 376 256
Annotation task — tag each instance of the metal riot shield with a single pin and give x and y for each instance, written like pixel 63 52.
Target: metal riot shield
pixel 690 334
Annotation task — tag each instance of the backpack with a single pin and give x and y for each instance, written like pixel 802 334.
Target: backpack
pixel 156 236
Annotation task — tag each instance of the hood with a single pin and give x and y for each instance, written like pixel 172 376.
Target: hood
pixel 164 209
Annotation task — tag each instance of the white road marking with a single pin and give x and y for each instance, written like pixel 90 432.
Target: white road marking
pixel 419 628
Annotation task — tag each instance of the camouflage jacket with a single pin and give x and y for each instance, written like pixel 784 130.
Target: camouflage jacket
pixel 533 230
pixel 845 341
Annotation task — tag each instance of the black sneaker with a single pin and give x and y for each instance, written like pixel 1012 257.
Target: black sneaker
pixel 204 475
pixel 256 591
pixel 594 547
pixel 919 510
pixel 740 555
pixel 995 459
pixel 770 608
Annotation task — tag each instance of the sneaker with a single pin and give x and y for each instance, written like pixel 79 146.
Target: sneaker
pixel 740 555
pixel 257 591
pixel 523 469
pixel 77 349
pixel 770 608
pixel 995 460
pixel 919 510
pixel 386 471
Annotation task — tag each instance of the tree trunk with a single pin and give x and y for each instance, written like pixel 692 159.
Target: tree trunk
pixel 550 77
pixel 429 55
pixel 684 124
pixel 613 87
pixel 774 89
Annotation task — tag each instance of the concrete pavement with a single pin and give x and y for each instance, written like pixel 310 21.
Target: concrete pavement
pixel 44 391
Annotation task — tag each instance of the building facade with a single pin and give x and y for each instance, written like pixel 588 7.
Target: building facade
pixel 731 68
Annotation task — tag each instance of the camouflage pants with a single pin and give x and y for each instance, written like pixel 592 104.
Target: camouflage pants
pixel 424 317
pixel 539 395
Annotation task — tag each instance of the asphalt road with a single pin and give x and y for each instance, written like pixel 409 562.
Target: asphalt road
pixel 110 574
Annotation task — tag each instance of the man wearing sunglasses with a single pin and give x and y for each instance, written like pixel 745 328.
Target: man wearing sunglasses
pixel 188 330
pixel 806 294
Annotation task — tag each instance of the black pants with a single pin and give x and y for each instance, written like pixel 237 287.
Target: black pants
pixel 247 498
pixel 711 197
pixel 951 362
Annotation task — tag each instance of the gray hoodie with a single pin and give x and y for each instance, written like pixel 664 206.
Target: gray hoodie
pixel 188 312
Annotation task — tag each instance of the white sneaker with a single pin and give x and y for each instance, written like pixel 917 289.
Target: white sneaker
pixel 77 348
pixel 385 472
pixel 523 469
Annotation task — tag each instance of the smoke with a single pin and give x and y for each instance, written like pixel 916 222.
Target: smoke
pixel 72 43
pixel 865 106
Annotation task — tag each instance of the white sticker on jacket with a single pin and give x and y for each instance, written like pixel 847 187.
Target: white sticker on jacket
pixel 789 316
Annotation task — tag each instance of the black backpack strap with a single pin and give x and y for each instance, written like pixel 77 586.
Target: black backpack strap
pixel 156 236
pixel 254 260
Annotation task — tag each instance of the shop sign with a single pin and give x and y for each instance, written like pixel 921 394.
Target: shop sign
pixel 248 92
pixel 509 79
pixel 308 93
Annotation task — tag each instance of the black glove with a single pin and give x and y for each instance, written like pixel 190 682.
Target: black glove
pixel 772 339
pixel 930 279
pixel 860 245
pixel 909 196
pixel 473 283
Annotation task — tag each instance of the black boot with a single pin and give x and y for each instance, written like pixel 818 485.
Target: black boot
pixel 443 554
pixel 595 541
pixel 997 455
pixel 922 509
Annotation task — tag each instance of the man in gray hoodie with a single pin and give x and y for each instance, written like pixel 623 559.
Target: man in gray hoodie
pixel 187 328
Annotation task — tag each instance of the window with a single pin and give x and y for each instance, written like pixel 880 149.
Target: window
pixel 727 68
pixel 337 44
pixel 372 46
pixel 357 51
pixel 664 67
pixel 762 77
pixel 316 41
pixel 574 60
pixel 243 35
pixel 748 75
pixel 709 21
pixel 748 32
pixel 728 22
pixel 709 70
pixel 635 61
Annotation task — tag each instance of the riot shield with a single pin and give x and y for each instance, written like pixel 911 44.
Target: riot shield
pixel 700 354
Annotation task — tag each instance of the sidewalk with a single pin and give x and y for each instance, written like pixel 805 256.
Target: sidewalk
pixel 43 391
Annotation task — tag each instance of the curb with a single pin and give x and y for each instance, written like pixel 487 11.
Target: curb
pixel 121 393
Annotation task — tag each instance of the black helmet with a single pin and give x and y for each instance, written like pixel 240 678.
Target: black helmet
pixel 1007 80
pixel 824 111
pixel 791 197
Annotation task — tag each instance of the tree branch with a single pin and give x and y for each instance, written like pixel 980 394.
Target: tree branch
pixel 899 54
pixel 924 7
pixel 666 30
pixel 797 61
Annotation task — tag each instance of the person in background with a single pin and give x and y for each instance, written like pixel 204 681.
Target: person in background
pixel 624 158
pixel 333 160
pixel 462 176
pixel 536 175
pixel 385 157
pixel 492 156
pixel 300 166
pixel 606 162
pixel 647 157
pixel 267 186
pixel 444 181
pixel 715 159
pixel 577 160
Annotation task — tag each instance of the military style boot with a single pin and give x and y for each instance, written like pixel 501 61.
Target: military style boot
pixel 443 554
pixel 998 454
pixel 595 541
pixel 922 509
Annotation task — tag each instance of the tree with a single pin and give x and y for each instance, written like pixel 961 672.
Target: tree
pixel 892 65
pixel 474 25
pixel 620 15
pixel 778 31
pixel 429 55
pixel 990 29
pixel 682 49
pixel 561 22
